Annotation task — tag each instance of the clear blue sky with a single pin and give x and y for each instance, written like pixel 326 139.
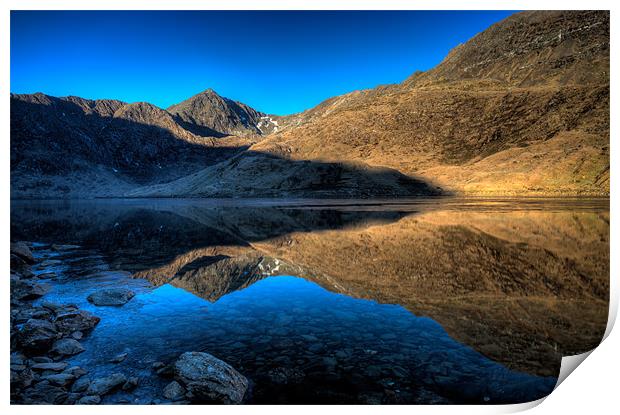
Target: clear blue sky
pixel 277 62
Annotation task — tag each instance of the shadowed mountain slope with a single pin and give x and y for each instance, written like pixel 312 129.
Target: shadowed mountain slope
pixel 252 174
pixel 73 147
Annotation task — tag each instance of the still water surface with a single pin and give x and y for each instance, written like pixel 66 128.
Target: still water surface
pixel 408 301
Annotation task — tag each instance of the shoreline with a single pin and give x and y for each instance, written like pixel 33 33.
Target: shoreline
pixel 45 336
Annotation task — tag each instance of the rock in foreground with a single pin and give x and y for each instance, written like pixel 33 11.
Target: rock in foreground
pixel 37 336
pixel 67 347
pixel 111 297
pixel 23 251
pixel 74 321
pixel 208 379
pixel 106 384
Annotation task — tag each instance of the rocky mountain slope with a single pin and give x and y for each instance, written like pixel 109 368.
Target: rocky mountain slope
pixel 209 114
pixel 75 147
pixel 522 108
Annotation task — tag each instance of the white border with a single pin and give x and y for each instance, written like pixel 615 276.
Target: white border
pixel 593 389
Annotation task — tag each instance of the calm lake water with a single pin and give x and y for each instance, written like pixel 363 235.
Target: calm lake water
pixel 408 301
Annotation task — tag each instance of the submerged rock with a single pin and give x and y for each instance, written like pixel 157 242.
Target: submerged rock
pixel 174 391
pixel 131 384
pixel 67 347
pixel 285 375
pixel 59 247
pixel 37 336
pixel 208 379
pixel 81 385
pixel 118 358
pixel 89 400
pixel 105 385
pixel 111 297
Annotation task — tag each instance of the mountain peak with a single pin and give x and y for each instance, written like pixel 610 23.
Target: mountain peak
pixel 209 114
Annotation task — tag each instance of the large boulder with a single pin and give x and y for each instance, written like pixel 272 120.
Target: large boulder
pixel 37 336
pixel 208 379
pixel 111 296
pixel 22 250
pixel 105 385
pixel 78 320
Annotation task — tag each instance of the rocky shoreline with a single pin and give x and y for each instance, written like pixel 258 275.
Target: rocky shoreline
pixel 44 335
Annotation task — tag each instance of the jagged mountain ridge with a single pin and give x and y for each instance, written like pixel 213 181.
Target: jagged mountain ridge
pixel 82 148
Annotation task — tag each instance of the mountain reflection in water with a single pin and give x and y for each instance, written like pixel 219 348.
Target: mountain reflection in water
pixel 444 300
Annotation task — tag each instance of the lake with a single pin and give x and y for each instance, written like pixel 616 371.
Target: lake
pixel 448 300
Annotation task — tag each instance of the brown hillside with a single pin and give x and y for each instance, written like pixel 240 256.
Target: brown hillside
pixel 528 95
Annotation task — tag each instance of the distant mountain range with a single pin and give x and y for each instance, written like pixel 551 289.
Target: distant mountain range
pixel 520 109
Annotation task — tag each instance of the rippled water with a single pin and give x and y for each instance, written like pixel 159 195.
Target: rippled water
pixel 409 301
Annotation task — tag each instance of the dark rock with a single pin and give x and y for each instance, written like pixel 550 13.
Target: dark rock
pixel 22 250
pixel 72 321
pixel 111 297
pixel 42 359
pixel 49 263
pixel 24 314
pixel 58 308
pixel 77 335
pixel 89 400
pixel 17 358
pixel 285 375
pixel 76 371
pixel 166 371
pixel 67 347
pixel 20 266
pixel 60 379
pixel 55 366
pixel 45 393
pixel 208 379
pixel 158 365
pixel 106 384
pixel 118 358
pixel 27 290
pixel 72 398
pixel 59 247
pixel 21 378
pixel 174 391
pixel 37 336
pixel 81 385
pixel 131 384
pixel 47 276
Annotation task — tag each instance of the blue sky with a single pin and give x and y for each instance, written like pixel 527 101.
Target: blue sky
pixel 277 62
